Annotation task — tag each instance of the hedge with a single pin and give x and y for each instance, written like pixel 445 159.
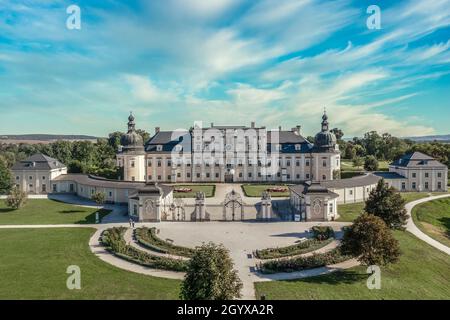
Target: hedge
pixel 322 232
pixel 113 240
pixel 148 238
pixel 294 250
pixel 303 263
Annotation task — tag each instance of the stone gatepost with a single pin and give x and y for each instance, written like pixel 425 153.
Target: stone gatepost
pixel 266 206
pixel 200 210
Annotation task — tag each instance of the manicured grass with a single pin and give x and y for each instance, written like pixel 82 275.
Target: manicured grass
pixel 350 211
pixel 44 211
pixel 433 218
pixel 347 165
pixel 34 263
pixel 421 273
pixel 208 189
pixel 255 190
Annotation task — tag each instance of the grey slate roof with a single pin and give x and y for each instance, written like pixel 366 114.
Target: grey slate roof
pixel 417 160
pixel 38 161
pixel 94 181
pixel 389 175
pixel 314 188
pixel 168 140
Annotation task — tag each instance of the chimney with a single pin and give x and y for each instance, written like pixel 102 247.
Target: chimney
pixel 156 130
pixel 279 128
pixel 212 124
pixel 253 124
pixel 296 130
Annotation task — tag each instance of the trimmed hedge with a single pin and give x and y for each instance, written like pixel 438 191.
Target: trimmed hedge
pixel 113 240
pixel 303 263
pixel 148 238
pixel 294 250
pixel 322 232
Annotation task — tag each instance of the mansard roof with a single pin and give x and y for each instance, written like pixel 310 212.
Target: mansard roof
pixel 38 161
pixel 168 140
pixel 417 160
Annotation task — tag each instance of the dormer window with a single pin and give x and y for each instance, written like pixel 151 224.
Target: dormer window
pixel 159 147
pixel 297 147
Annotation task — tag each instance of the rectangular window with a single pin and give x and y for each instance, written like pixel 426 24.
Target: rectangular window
pixel 169 163
pixel 288 163
pixel 135 210
pixel 44 188
pixel 159 163
pixel 133 179
pixel 198 175
pixel 297 176
pixel 159 177
pixel 17 178
pixel 307 163
pixel 439 185
pixel 297 163
pixel 207 175
pixel 188 174
pixel 403 185
pixel 426 174
pixel 30 177
pixel 178 175
pixel 133 163
pixel 288 176
pixel 43 178
pixel 439 174
pixel 149 177
pixel 307 176
pixel 331 208
pixel 324 163
pixel 426 185
pixel 240 174
pixel 217 175
pixel 149 163
pixel 414 185
pixel 350 192
pixel 413 174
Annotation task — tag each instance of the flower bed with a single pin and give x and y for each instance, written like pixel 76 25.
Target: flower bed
pixel 294 250
pixel 276 189
pixel 182 190
pixel 113 240
pixel 303 263
pixel 148 238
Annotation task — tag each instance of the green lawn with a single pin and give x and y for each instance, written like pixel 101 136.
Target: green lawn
pixel 44 211
pixel 347 165
pixel 421 273
pixel 208 189
pixel 350 211
pixel 255 190
pixel 34 263
pixel 433 218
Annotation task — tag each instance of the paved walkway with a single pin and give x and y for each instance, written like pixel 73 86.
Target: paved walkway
pixel 241 238
pixel 411 227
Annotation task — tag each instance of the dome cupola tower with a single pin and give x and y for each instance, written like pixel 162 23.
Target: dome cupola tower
pixel 131 156
pixel 325 140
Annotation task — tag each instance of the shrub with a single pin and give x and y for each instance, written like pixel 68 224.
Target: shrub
pixel 113 240
pixel 303 263
pixel 148 238
pixel 16 199
pixel 296 249
pixel 322 232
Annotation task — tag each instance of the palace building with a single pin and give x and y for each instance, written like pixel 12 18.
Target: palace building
pixel 229 154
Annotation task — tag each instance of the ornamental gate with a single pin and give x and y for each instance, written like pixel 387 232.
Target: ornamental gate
pixel 178 211
pixel 233 208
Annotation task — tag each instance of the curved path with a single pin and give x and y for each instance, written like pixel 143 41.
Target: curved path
pixel 241 238
pixel 411 227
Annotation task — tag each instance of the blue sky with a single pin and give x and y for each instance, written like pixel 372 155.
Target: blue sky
pixel 276 62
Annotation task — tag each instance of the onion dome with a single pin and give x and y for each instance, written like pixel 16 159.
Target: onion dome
pixel 132 141
pixel 325 139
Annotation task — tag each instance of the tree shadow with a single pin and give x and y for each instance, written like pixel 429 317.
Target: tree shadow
pixel 446 223
pixel 6 210
pixel 71 211
pixel 334 278
pixel 293 234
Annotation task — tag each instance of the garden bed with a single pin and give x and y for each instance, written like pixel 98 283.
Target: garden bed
pixel 294 250
pixel 148 238
pixel 303 263
pixel 113 240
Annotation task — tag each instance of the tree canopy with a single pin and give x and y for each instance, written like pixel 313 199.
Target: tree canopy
pixel 371 241
pixel 386 203
pixel 210 275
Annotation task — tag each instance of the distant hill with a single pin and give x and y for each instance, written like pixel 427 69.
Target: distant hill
pixel 438 138
pixel 43 138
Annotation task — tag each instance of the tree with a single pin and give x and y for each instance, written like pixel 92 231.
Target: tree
pixel 371 163
pixel 99 198
pixel 357 162
pixel 5 177
pixel 62 150
pixel 76 166
pixel 210 275
pixel 114 140
pixel 386 203
pixel 338 133
pixel 371 241
pixel 16 199
pixel 144 134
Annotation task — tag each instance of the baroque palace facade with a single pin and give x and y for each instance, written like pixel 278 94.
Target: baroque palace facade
pixel 229 154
